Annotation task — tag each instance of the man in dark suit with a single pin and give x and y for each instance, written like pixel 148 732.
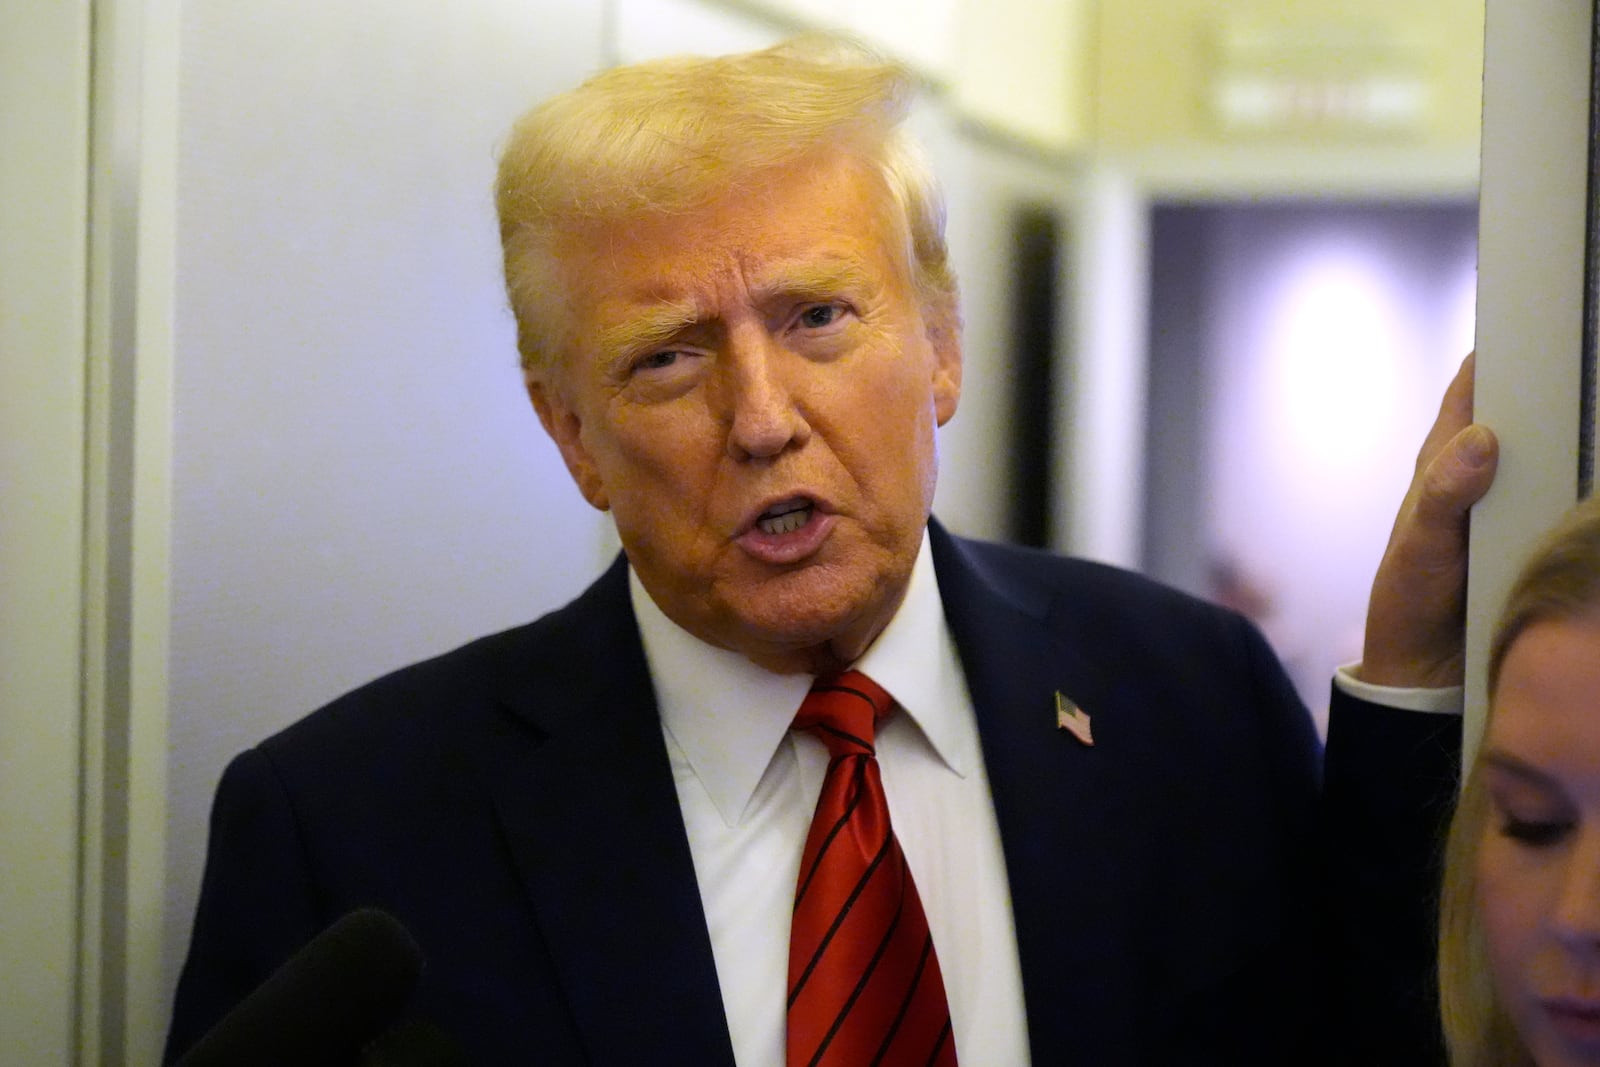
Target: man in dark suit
pixel 739 328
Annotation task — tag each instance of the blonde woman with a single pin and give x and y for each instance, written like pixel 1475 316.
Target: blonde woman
pixel 1519 956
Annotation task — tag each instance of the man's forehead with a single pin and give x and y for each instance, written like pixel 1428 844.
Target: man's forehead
pixel 826 272
pixel 811 194
pixel 691 261
pixel 819 232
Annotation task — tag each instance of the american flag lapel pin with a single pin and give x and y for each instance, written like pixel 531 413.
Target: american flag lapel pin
pixel 1073 719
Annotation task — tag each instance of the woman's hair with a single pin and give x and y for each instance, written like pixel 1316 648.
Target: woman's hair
pixel 670 135
pixel 1561 580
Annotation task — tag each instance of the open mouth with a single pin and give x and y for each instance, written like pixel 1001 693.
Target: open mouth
pixel 786 517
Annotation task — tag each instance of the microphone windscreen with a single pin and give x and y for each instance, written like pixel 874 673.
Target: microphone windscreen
pixel 344 988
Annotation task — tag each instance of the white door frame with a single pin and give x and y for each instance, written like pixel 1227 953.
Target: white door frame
pixel 127 513
pixel 1533 206
pixel 44 168
pixel 88 115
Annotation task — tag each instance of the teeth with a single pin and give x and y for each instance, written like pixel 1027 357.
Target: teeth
pixel 788 522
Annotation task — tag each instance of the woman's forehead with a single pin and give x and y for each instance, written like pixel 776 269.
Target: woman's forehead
pixel 1547 700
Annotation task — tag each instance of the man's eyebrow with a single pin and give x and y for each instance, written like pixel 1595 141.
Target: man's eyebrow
pixel 818 278
pixel 1517 768
pixel 660 321
pixel 653 325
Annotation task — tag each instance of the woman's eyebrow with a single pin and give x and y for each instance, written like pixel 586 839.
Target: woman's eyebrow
pixel 1504 762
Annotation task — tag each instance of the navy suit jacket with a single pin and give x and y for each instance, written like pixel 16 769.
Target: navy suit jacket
pixel 1188 890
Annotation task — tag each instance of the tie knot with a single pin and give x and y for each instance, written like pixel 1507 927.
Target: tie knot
pixel 843 710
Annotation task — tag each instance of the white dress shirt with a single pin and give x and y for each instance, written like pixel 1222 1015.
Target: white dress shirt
pixel 747 786
pixel 1444 701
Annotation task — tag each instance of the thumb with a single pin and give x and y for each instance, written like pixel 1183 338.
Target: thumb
pixel 1458 476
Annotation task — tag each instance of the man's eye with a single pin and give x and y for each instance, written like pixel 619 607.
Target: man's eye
pixel 657 360
pixel 1533 832
pixel 819 315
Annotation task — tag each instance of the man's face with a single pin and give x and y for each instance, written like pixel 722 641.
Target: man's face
pixel 752 390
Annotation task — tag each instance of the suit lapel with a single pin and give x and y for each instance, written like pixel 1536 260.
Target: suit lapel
pixel 590 814
pixel 1066 842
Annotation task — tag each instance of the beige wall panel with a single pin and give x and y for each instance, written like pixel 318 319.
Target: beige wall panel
pixel 1026 68
pixel 44 93
pixel 1157 58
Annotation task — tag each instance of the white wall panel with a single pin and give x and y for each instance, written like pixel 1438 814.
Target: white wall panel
pixel 358 478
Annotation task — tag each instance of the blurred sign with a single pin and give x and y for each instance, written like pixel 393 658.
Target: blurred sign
pixel 1321 77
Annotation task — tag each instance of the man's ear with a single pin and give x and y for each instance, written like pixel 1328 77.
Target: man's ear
pixel 942 323
pixel 565 428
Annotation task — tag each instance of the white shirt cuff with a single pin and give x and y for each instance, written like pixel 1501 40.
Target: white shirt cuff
pixel 1447 701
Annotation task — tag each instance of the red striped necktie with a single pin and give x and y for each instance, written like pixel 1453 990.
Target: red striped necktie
pixel 864 982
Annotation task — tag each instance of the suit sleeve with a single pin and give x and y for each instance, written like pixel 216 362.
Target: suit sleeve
pixel 258 904
pixel 1390 785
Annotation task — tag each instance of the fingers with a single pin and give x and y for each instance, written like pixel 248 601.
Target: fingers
pixel 1458 476
pixel 1455 413
pixel 1415 616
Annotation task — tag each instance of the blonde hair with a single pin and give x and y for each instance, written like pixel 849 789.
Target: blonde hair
pixel 1560 580
pixel 669 135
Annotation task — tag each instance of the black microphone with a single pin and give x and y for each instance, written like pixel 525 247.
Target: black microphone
pixel 335 1003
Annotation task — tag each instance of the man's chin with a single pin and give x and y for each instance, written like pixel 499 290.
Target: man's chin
pixel 812 626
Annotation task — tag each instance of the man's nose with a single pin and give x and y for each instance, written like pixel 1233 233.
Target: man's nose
pixel 1576 917
pixel 764 418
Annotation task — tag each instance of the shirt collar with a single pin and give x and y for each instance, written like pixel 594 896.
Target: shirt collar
pixel 729 716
